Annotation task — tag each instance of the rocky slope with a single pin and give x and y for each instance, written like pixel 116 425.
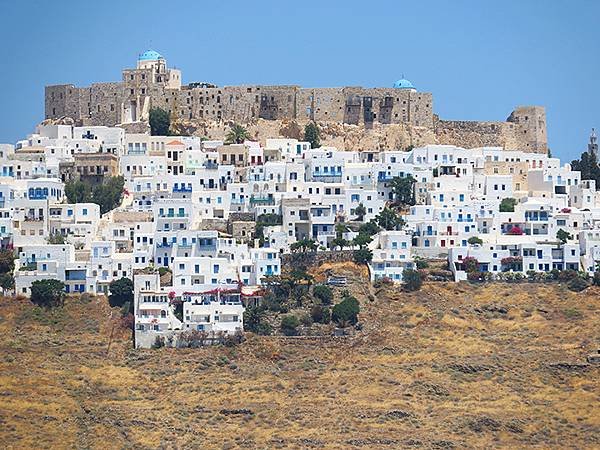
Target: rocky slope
pixel 451 366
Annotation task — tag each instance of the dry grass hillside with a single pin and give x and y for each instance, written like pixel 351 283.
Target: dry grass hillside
pixel 451 366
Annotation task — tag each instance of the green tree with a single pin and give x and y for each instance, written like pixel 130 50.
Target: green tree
pixel 588 166
pixel 160 122
pixel 389 219
pixel 304 245
pixel 323 293
pixel 289 325
pixel 596 279
pixel 312 134
pixel 362 240
pixel 265 220
pixel 48 293
pixel 7 281
pixel 339 242
pixel 107 195
pixel 563 236
pixel 508 204
pixel 121 292
pixel 78 191
pixel 360 212
pixel 362 255
pixel 346 312
pixel 255 321
pixel 237 134
pixel 474 240
pixel 403 189
pixel 412 280
pixel 370 228
pixel 7 261
pixel 320 314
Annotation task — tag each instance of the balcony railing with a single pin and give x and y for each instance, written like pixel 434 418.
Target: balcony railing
pixel 327 177
pixel 172 215
pixel 262 201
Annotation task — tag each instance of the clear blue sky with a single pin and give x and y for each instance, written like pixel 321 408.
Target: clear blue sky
pixel 478 61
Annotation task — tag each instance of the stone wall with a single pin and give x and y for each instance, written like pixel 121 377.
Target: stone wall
pixel 290 261
pixel 353 118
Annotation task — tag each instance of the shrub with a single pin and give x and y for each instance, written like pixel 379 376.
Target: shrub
pixel 508 205
pixel 577 284
pixel 163 270
pixel 412 280
pixel 596 279
pixel 346 312
pixel 421 264
pixel 289 325
pixel 474 240
pixel 567 275
pixel 158 342
pixel 470 264
pixel 320 314
pixel 55 238
pixel 480 276
pixel 383 281
pixel 48 293
pixel 306 320
pixel 323 293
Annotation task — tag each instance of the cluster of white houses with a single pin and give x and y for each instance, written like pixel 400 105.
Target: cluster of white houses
pixel 191 206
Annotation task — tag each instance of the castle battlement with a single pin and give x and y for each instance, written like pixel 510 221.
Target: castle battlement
pixel 153 84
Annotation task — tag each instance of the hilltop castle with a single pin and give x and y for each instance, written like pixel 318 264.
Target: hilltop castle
pixel 153 84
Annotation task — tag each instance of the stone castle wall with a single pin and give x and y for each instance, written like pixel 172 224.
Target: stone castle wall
pixel 349 117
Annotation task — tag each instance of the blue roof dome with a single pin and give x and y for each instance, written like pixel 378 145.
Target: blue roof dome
pixel 403 84
pixel 150 55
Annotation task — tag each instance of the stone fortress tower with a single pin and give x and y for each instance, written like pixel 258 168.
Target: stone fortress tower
pixel 153 84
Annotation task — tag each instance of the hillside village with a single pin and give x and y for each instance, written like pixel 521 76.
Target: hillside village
pixel 200 227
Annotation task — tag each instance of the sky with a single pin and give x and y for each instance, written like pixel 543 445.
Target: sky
pixel 479 59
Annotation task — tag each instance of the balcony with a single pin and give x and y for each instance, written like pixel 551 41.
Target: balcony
pixel 383 177
pixel 425 233
pixel 37 195
pixel 262 200
pixel 172 215
pixel 327 177
pixel 210 165
pixel 184 189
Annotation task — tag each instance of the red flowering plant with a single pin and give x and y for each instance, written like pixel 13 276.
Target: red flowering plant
pixel 512 263
pixel 470 264
pixel 515 231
